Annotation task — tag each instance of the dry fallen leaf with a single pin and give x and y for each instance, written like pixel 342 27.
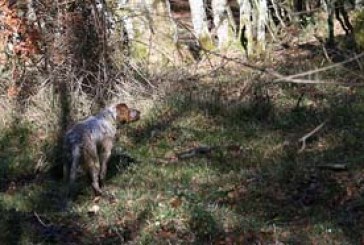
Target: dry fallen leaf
pixel 13 91
pixel 113 200
pixel 94 210
pixel 175 202
pixel 166 234
pixel 96 199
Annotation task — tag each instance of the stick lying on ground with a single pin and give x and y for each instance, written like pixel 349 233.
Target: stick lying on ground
pixel 200 150
pixel 305 137
pixel 335 166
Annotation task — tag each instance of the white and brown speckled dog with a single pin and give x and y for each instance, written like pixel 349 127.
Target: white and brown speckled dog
pixel 90 142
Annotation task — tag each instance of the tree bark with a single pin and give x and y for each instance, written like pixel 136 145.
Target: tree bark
pixel 199 21
pixel 221 21
pixel 245 26
pixel 330 21
pixel 261 25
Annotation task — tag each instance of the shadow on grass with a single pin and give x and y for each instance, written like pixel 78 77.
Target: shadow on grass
pixel 288 188
pixel 32 200
pixel 23 227
pixel 15 155
pixel 25 194
pixel 119 162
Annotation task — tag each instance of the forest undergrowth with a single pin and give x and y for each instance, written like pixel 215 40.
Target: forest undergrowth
pixel 223 154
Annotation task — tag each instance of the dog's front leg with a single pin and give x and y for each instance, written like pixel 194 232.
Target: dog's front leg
pixel 105 153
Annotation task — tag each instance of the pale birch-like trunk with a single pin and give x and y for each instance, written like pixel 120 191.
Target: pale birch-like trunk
pixel 150 28
pixel 221 21
pixel 163 43
pixel 359 4
pixel 246 30
pixel 262 10
pixel 126 20
pixel 278 13
pixel 199 21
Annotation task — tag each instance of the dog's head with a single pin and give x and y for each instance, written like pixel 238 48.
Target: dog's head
pixel 124 114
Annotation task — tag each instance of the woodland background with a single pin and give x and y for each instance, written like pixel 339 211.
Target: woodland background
pixel 252 123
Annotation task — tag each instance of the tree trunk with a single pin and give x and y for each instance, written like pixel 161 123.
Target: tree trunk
pixel 126 20
pixel 245 25
pixel 165 32
pixel 262 10
pixel 199 21
pixel 277 13
pixel 221 21
pixel 330 22
pixel 150 29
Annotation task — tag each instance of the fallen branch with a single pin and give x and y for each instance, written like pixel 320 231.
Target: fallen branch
pixel 40 221
pixel 292 77
pixel 335 166
pixel 305 137
pixel 279 78
pixel 200 150
pixel 193 152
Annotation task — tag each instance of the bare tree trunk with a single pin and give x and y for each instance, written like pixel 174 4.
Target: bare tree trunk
pixel 330 21
pixel 165 32
pixel 358 4
pixel 246 30
pixel 149 27
pixel 126 20
pixel 278 13
pixel 262 10
pixel 199 21
pixel 343 17
pixel 221 21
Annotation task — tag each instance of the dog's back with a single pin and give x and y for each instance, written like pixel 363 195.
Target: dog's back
pixel 94 127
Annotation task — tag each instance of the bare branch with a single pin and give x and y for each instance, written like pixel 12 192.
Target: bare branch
pixel 40 221
pixel 305 137
pixel 289 78
pixel 279 78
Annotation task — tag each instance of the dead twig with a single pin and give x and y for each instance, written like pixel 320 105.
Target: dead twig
pixel 193 152
pixel 201 150
pixel 279 78
pixel 292 77
pixel 305 137
pixel 335 166
pixel 40 221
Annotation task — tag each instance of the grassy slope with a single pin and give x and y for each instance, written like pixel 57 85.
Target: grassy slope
pixel 253 186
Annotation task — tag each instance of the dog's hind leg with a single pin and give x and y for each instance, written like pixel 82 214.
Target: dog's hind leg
pixel 95 182
pixel 106 147
pixel 93 167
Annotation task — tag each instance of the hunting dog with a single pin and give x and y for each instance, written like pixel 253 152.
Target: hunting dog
pixel 89 142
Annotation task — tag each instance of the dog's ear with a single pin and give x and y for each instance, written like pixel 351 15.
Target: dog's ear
pixel 122 112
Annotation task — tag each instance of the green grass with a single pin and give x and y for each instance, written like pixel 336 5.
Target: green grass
pixel 251 187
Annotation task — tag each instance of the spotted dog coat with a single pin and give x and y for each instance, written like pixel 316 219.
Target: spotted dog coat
pixel 90 142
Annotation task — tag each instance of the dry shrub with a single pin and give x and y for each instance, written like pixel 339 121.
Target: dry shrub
pixel 44 113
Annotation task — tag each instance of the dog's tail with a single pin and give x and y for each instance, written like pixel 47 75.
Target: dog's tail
pixel 74 164
pixel 70 169
pixel 66 160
